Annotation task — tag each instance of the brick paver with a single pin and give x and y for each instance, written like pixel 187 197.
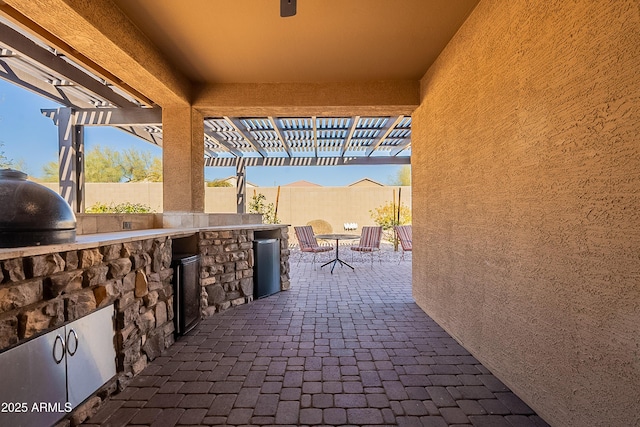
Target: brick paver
pixel 348 348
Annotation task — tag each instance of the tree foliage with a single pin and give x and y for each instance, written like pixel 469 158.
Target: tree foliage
pixel 268 211
pixel 50 172
pixel 4 161
pixel 103 165
pixel 107 165
pixel 219 183
pixel 403 176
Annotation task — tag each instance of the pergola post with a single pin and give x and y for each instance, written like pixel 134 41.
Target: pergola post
pixel 71 159
pixel 241 185
pixel 182 160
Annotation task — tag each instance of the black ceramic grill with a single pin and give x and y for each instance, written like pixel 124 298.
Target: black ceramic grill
pixel 32 214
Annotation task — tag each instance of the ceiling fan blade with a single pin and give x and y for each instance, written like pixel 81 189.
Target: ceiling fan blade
pixel 287 8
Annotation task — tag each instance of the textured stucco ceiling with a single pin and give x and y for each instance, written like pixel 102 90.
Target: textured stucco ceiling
pixel 246 41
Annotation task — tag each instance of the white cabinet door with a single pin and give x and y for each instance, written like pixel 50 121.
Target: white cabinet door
pixel 33 385
pixel 44 378
pixel 91 354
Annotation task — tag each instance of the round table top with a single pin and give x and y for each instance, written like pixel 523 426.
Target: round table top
pixel 337 236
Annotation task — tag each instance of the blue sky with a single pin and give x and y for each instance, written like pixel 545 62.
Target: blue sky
pixel 29 137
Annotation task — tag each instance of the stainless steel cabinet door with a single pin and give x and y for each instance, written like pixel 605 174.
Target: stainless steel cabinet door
pixel 91 354
pixel 33 386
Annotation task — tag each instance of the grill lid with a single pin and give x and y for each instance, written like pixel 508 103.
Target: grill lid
pixel 32 214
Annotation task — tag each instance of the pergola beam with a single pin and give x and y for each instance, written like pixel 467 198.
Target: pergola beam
pixel 401 147
pixel 130 120
pixel 308 161
pixel 112 116
pixel 315 136
pixel 152 137
pixel 347 140
pixel 71 159
pixel 277 131
pixel 237 125
pixel 385 131
pixel 57 65
pixel 241 185
pixel 208 131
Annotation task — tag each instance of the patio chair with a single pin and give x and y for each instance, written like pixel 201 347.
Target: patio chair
pixel 404 235
pixel 308 243
pixel 370 238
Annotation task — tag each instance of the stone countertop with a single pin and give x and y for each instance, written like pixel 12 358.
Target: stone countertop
pixel 87 241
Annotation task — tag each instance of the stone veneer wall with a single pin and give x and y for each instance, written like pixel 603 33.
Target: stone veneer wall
pixel 226 273
pixel 40 293
pixel 526 160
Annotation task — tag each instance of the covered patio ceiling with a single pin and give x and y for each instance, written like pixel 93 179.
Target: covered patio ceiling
pixel 327 42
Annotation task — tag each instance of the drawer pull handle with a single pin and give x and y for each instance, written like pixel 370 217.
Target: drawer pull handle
pixel 57 358
pixel 72 333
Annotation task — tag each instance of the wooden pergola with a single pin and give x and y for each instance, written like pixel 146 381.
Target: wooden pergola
pixel 230 141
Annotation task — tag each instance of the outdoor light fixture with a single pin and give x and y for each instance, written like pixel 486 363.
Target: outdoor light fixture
pixel 287 8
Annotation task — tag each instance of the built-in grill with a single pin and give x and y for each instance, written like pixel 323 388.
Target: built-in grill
pixel 32 214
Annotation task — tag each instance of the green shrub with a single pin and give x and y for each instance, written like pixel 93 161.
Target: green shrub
pixel 268 211
pixel 126 207
pixel 387 217
pixel 219 183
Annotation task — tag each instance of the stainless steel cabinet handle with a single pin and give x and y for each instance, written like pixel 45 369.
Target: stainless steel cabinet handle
pixel 73 333
pixel 55 346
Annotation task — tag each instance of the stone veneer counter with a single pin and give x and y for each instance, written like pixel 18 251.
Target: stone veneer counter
pixel 45 287
pixel 87 241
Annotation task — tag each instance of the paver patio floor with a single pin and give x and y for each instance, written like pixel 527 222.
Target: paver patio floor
pixel 349 348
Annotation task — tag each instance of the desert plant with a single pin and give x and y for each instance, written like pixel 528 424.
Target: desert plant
pixel 268 210
pixel 386 216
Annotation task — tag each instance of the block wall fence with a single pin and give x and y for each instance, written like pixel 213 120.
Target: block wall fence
pixel 297 205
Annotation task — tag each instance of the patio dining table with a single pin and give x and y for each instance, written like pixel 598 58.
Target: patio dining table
pixel 337 238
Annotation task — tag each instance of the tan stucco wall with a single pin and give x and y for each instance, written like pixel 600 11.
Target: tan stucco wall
pixel 182 160
pixel 526 160
pixel 316 99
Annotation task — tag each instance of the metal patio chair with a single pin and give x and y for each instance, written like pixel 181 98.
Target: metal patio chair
pixel 404 235
pixel 370 238
pixel 308 243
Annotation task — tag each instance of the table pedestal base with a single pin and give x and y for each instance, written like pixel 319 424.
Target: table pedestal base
pixel 335 261
pixel 337 238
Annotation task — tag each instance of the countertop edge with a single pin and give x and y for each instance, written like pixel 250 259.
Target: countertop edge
pixel 88 241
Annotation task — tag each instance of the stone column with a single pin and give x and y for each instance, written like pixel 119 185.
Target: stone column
pixel 183 160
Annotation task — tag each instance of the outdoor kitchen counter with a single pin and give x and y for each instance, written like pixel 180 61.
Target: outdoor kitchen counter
pixel 88 241
pixel 49 287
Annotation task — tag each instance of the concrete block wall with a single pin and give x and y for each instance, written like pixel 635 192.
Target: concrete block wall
pixel 297 205
pixel 526 152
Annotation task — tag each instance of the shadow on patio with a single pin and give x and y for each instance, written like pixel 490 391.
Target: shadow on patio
pixel 349 348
